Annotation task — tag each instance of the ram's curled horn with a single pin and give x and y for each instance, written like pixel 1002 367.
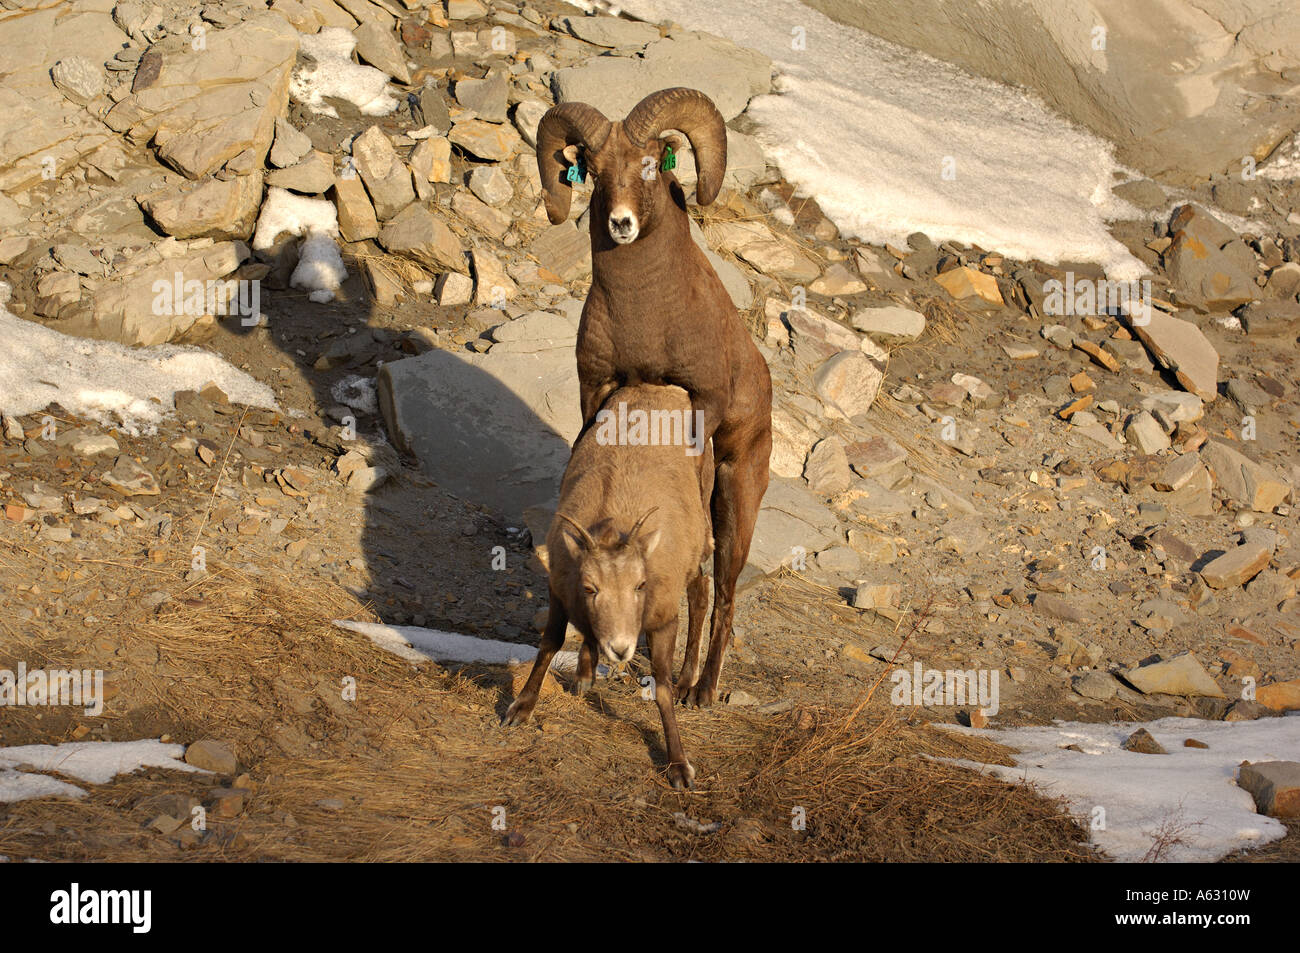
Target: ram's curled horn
pixel 692 112
pixel 565 125
pixel 583 536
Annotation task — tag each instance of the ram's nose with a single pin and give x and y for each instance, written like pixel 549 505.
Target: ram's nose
pixel 623 226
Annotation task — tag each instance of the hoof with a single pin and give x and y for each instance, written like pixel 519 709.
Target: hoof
pixel 582 686
pixel 518 713
pixel 681 776
pixel 701 696
pixel 683 691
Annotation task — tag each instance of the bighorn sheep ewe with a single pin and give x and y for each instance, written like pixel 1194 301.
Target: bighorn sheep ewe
pixel 658 313
pixel 630 534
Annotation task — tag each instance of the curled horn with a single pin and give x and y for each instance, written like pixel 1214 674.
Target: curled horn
pixel 565 125
pixel 636 527
pixel 583 535
pixel 694 114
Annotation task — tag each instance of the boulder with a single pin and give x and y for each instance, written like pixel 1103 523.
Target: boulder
pixel 203 108
pixel 730 75
pixel 1208 265
pixel 1181 675
pixel 420 235
pixel 435 405
pixel 211 208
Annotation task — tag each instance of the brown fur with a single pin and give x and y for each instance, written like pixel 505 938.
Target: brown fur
pixel 629 515
pixel 658 313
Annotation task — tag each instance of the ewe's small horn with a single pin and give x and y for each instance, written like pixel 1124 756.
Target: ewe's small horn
pixel 694 114
pixel 583 535
pixel 636 527
pixel 565 125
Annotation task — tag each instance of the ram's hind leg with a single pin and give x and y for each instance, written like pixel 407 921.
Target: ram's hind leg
pixel 697 604
pixel 737 496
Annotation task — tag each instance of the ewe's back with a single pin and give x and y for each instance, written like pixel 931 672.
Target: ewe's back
pixel 638 455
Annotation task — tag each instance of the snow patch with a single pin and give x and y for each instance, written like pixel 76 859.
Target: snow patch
pixel 416 644
pixel 868 128
pixel 1191 792
pixel 131 388
pixel 336 76
pixel 94 762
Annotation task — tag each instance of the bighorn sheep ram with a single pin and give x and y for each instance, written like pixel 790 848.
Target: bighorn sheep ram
pixel 658 313
pixel 630 534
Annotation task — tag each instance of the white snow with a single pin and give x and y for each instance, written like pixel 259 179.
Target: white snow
pixel 320 268
pixel 131 388
pixel 94 762
pixel 336 76
pixel 865 127
pixel 1283 163
pixel 283 211
pixel 417 644
pixel 1190 791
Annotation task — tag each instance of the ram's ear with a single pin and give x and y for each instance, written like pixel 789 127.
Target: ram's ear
pixel 571 153
pixel 673 142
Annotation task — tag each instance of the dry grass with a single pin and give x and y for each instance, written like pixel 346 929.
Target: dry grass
pixel 415 767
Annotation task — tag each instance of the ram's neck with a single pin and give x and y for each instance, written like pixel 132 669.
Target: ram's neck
pixel 647 271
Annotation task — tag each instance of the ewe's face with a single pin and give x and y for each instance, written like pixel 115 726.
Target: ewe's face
pixel 629 187
pixel 613 592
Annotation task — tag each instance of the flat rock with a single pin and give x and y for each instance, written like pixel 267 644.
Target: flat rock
pixel 485 140
pixel 848 383
pixel 422 236
pixel 378 45
pixel 312 176
pixel 385 175
pixel 1237 566
pixel 434 406
pixel 487 98
pixel 1245 482
pixel 1181 675
pixel 564 250
pixel 211 208
pixel 1180 346
pixel 827 468
pixel 1275 786
pixel 611 32
pixel 728 74
pixel 791 522
pixel 204 108
pixel 892 325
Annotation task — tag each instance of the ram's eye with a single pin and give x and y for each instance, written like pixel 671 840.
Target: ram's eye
pixel 591 590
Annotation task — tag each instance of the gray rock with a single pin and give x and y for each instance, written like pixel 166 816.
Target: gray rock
pixel 611 32
pixel 386 176
pixel 486 97
pixel 78 79
pixel 1181 347
pixel 891 325
pixel 434 407
pixel 490 184
pixel 564 250
pixel 827 468
pixel 290 145
pixel 1207 263
pixel 1275 786
pixel 1144 433
pixel 1181 675
pixel 848 383
pixel 378 45
pixel 418 234
pixel 792 522
pixel 1095 685
pixel 730 75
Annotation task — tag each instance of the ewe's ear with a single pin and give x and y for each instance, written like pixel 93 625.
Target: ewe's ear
pixel 648 542
pixel 573 544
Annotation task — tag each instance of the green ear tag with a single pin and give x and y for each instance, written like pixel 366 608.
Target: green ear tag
pixel 670 160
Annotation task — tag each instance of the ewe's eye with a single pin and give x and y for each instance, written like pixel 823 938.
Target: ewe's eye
pixel 641 587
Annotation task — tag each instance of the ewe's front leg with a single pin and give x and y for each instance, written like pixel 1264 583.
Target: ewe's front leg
pixel 662 641
pixel 586 666
pixel 557 621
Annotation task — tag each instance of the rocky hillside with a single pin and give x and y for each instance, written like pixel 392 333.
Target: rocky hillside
pixel 1019 466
